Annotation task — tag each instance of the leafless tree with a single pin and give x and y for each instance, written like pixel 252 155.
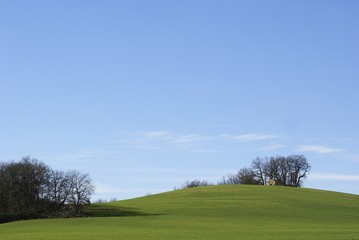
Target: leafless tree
pixel 195 183
pixel 31 189
pixel 299 168
pixel 259 170
pixel 80 187
pixel 286 171
pixel 247 176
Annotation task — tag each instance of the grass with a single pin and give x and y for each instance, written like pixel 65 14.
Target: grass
pixel 214 212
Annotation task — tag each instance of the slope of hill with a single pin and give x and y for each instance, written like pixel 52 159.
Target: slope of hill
pixel 215 212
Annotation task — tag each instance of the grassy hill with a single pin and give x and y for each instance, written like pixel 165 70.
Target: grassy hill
pixel 215 212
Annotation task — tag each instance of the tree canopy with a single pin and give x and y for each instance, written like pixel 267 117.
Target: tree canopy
pixel 284 171
pixel 31 189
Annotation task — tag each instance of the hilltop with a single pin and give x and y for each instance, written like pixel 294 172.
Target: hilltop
pixel 213 212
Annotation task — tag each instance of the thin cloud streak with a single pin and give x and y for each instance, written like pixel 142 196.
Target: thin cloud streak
pixel 155 134
pixel 252 137
pixel 197 143
pixel 85 154
pixel 318 149
pixel 190 138
pixel 274 147
pixel 183 171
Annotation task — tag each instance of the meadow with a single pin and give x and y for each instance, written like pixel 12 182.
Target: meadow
pixel 212 212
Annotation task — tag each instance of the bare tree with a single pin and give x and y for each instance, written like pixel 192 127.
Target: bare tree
pixel 244 176
pixel 80 188
pixel 299 168
pixel 247 176
pixel 31 189
pixel 259 170
pixel 231 179
pixel 272 168
pixel 285 171
pixel 58 193
pixel 195 183
pixel 284 168
pixel 5 189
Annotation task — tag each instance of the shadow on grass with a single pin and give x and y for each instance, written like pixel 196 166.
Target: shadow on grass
pixel 97 210
pixel 114 211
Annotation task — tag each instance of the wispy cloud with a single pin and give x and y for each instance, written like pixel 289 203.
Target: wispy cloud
pixel 333 176
pixel 155 134
pixel 222 125
pixel 273 146
pixel 160 139
pixel 85 155
pixel 181 171
pixel 206 151
pixel 252 137
pixel 199 143
pixel 354 157
pixel 190 138
pixel 76 156
pixel 174 138
pixel 318 149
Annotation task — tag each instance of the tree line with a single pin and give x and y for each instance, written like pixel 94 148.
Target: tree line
pixel 282 171
pixel 31 189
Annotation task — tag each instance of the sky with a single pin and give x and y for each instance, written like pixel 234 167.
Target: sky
pixel 144 95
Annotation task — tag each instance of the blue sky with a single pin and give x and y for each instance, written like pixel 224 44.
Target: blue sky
pixel 145 95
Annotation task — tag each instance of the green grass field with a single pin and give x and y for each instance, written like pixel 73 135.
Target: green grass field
pixel 214 212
